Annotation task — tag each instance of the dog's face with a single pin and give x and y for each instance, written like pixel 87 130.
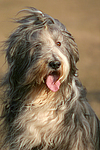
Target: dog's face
pixel 44 52
pixel 52 64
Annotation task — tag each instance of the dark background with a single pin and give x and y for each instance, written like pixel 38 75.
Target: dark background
pixel 82 19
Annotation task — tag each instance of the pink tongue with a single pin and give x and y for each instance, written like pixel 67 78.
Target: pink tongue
pixel 53 83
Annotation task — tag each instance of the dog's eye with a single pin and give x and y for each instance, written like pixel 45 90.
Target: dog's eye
pixel 58 43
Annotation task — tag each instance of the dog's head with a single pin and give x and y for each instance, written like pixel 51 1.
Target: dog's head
pixel 41 50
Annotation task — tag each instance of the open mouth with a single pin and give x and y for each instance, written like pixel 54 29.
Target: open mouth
pixel 52 81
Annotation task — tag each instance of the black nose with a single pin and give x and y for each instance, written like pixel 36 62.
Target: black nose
pixel 54 64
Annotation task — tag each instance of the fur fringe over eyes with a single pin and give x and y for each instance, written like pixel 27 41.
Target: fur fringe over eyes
pixel 45 105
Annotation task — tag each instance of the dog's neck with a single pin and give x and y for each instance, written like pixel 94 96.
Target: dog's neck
pixel 41 96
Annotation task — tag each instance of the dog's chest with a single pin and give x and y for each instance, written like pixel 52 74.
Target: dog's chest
pixel 42 124
pixel 44 118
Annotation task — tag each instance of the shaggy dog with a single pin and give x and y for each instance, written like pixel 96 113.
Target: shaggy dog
pixel 45 105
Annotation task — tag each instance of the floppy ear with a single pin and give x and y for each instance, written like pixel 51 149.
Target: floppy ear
pixel 74 55
pixel 15 47
pixel 72 50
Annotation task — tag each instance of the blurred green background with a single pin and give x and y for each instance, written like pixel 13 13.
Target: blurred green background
pixel 82 19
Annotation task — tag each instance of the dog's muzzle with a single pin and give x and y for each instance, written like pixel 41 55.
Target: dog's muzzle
pixel 52 80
